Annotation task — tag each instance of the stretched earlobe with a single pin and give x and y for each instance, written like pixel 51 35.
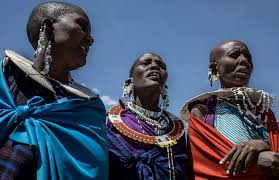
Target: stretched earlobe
pixel 43 56
pixel 213 73
pixel 48 22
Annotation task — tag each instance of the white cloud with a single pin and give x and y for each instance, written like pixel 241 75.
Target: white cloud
pixel 95 90
pixel 108 101
pixel 83 84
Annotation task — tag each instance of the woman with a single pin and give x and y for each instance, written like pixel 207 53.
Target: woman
pixel 234 123
pixel 51 127
pixel 146 141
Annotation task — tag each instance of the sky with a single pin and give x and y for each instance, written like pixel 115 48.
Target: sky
pixel 182 32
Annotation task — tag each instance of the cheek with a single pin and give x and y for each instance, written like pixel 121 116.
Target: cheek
pixel 64 35
pixel 138 76
pixel 165 75
pixel 226 67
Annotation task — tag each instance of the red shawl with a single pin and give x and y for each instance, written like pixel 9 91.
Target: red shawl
pixel 208 147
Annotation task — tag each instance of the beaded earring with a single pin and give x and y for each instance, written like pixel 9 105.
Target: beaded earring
pixel 128 90
pixel 212 77
pixel 41 42
pixel 42 49
pixel 47 59
pixel 164 98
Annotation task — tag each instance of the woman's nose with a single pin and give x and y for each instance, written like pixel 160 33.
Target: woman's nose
pixel 89 40
pixel 154 64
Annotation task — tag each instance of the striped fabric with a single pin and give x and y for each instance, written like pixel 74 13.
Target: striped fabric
pixel 17 161
pixel 232 125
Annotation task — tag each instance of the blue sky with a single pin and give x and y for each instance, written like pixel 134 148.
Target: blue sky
pixel 181 31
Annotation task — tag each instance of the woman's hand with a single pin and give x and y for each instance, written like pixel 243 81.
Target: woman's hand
pixel 242 154
pixel 269 161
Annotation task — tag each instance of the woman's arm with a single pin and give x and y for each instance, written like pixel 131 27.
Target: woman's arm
pixel 243 154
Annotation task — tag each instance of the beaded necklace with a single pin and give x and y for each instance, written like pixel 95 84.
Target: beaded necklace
pixel 155 119
pixel 163 141
pixel 257 111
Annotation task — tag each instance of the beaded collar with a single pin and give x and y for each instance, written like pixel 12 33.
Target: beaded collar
pixel 162 141
pixel 155 119
pixel 262 103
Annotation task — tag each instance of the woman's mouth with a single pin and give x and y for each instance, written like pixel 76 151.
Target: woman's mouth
pixel 155 76
pixel 84 49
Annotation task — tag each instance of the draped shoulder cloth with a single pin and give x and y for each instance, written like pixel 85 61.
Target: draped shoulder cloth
pixel 68 134
pixel 208 146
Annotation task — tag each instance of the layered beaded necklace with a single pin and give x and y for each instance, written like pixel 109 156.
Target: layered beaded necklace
pixel 258 111
pixel 155 119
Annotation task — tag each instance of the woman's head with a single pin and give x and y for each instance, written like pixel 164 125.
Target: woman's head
pixel 147 83
pixel 149 71
pixel 232 62
pixel 67 27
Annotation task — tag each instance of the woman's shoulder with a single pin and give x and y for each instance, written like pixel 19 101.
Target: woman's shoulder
pixel 202 101
pixel 26 67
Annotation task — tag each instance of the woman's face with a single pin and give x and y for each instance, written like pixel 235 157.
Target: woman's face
pixel 235 66
pixel 72 39
pixel 149 72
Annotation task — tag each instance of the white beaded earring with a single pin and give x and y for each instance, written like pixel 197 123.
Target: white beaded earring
pixel 41 42
pixel 128 90
pixel 42 49
pixel 47 59
pixel 164 98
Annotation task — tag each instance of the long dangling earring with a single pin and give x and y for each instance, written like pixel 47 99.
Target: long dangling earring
pixel 128 90
pixel 42 41
pixel 164 98
pixel 42 49
pixel 47 59
pixel 210 76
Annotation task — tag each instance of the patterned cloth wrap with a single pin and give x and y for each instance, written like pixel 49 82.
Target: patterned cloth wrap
pixel 68 134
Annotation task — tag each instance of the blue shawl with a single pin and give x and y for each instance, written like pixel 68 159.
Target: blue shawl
pixel 68 135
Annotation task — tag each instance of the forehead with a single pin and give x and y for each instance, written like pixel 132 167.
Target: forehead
pixel 229 46
pixel 75 14
pixel 149 56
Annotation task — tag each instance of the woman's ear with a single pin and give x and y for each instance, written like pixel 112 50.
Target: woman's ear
pixel 214 68
pixel 49 27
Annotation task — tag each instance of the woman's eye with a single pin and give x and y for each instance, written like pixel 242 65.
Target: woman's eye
pixel 146 62
pixel 163 66
pixel 82 26
pixel 247 55
pixel 234 55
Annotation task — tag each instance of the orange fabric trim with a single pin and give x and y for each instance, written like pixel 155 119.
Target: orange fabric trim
pixel 273 128
pixel 208 147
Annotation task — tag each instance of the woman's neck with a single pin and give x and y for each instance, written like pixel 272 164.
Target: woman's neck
pixel 149 101
pixel 60 75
